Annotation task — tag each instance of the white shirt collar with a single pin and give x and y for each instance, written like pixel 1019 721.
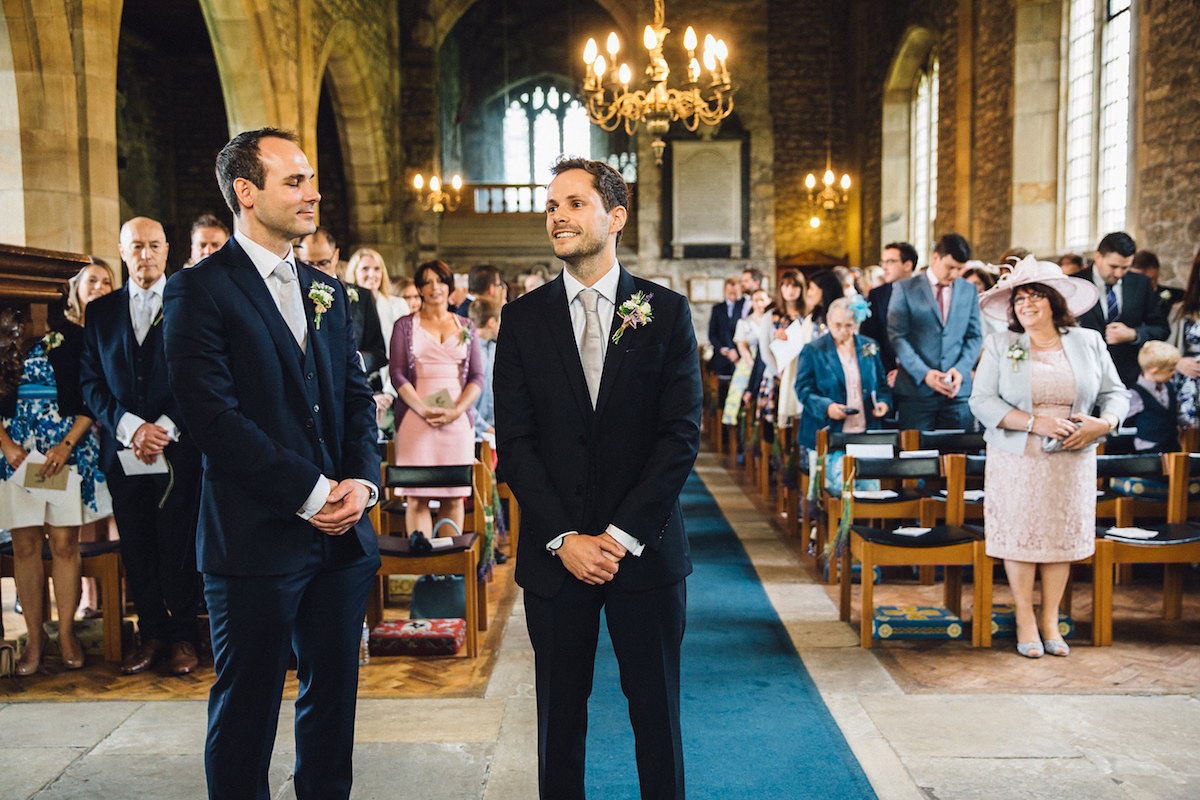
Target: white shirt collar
pixel 264 260
pixel 933 279
pixel 155 288
pixel 606 286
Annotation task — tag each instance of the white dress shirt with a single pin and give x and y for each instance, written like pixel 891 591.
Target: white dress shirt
pixel 606 307
pixel 1103 287
pixel 129 423
pixel 265 262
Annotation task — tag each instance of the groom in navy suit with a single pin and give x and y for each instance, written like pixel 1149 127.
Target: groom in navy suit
pixel 933 325
pixel 598 425
pixel 263 359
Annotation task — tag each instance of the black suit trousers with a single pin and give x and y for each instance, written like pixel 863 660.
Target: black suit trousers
pixel 158 544
pixel 647 631
pixel 257 622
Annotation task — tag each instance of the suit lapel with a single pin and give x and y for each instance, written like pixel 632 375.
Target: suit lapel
pixel 244 275
pixel 318 343
pixel 558 319
pixel 925 290
pixel 834 364
pixel 616 352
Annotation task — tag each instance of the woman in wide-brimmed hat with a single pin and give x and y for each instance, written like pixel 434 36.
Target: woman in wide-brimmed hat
pixel 1045 391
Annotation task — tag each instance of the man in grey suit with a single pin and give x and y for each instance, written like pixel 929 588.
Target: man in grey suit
pixel 933 325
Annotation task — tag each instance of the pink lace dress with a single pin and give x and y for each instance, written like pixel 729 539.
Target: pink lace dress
pixel 1041 507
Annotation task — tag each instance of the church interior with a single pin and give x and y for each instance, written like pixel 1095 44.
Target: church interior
pixel 1032 124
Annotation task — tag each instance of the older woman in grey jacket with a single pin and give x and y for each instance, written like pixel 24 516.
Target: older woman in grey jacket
pixel 1045 391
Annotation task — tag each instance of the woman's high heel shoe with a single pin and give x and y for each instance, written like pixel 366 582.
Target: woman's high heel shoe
pixel 1057 647
pixel 27 666
pixel 1030 649
pixel 75 662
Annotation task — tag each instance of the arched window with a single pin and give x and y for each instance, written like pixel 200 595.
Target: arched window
pixel 923 149
pixel 540 123
pixel 1096 151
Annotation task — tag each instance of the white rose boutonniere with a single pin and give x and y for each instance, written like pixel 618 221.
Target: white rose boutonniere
pixel 869 349
pixel 51 340
pixel 1016 354
pixel 321 295
pixel 352 293
pixel 1165 295
pixel 634 313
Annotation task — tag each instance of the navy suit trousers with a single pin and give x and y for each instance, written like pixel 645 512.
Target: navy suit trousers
pixel 257 622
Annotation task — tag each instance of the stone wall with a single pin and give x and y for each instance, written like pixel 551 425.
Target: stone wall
pixel 992 126
pixel 1167 172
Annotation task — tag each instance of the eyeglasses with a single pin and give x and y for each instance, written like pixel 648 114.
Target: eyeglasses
pixel 1029 297
pixel 322 264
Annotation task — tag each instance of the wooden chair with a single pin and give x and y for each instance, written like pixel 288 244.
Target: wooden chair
pixel 828 442
pixel 1176 543
pixel 951 546
pixel 102 561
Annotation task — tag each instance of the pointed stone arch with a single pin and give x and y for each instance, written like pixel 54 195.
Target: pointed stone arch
pixel 914 49
pixel 239 30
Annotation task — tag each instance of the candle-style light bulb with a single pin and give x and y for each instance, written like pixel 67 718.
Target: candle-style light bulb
pixel 456 182
pixel 710 61
pixel 689 38
pixel 722 50
pixel 418 182
pixel 815 222
pixel 599 66
pixel 828 179
pixel 810 181
pixel 435 184
pixel 590 51
pixel 845 181
pixel 649 38
pixel 613 45
pixel 625 75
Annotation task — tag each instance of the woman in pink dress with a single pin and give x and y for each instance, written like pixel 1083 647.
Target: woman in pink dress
pixel 437 369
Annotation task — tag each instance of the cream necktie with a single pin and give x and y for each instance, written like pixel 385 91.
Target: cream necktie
pixel 145 315
pixel 591 351
pixel 288 297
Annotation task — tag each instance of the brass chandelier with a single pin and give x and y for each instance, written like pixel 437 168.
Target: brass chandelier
pixel 610 103
pixel 435 198
pixel 831 195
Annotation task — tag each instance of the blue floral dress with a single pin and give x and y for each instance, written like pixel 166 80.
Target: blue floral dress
pixel 38 424
pixel 1188 389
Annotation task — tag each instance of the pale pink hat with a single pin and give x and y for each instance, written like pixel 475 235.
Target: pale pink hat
pixel 1080 294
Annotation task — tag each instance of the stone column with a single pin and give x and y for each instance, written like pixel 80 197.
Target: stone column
pixel 1035 126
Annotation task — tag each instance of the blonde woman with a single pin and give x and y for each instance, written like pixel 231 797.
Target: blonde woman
pixel 368 270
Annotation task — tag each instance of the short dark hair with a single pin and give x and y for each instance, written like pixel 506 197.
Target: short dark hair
pixel 321 232
pixel 790 278
pixel 1074 258
pixel 607 181
pixel 1062 316
pixel 1119 242
pixel 208 221
pixel 1145 259
pixel 439 268
pixel 482 278
pixel 983 276
pixel 240 158
pixel 907 252
pixel 483 309
pixel 953 245
pixel 756 274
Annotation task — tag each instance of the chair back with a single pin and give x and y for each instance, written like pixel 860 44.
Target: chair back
pixel 439 477
pixel 1146 465
pixel 1118 444
pixel 1178 467
pixel 837 440
pixel 898 468
pixel 950 441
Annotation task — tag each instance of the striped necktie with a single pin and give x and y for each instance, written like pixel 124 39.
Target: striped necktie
pixel 1111 300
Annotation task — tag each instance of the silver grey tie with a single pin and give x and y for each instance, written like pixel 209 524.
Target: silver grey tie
pixel 288 295
pixel 145 315
pixel 591 351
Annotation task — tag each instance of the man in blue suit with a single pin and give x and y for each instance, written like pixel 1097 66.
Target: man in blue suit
pixel 123 372
pixel 933 325
pixel 263 359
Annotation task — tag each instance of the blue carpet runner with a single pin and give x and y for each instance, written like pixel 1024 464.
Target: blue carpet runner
pixel 754 725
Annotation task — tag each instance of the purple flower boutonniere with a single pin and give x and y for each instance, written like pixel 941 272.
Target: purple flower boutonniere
pixel 321 295
pixel 634 313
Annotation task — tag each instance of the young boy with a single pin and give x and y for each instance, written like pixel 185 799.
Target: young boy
pixel 1153 405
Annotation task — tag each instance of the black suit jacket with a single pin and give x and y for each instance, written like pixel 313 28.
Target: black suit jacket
pixel 1141 310
pixel 64 361
pixel 875 325
pixel 368 333
pixel 108 374
pixel 242 389
pixel 721 328
pixel 573 468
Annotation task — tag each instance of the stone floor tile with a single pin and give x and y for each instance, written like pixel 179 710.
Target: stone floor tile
pixel 850 670
pixel 883 768
pixel 828 633
pixel 389 770
pixel 513 774
pixel 456 720
pixel 987 726
pixel 25 725
pixel 167 777
pixel 26 770
pixel 1024 778
pixel 159 728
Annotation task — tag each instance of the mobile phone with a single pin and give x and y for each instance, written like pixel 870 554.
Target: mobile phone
pixel 848 411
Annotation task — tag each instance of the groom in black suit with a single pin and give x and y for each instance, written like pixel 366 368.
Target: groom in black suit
pixel 598 426
pixel 268 378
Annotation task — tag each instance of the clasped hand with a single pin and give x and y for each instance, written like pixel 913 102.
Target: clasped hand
pixel 149 440
pixel 439 417
pixel 345 505
pixel 1075 433
pixel 944 383
pixel 591 559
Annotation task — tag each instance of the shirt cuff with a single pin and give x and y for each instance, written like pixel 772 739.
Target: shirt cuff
pixel 374 498
pixel 127 427
pixel 316 499
pixel 557 541
pixel 631 544
pixel 169 425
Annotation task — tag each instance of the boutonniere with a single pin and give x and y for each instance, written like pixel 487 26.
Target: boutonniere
pixel 352 293
pixel 1016 354
pixel 157 319
pixel 52 340
pixel 1165 294
pixel 464 333
pixel 321 295
pixel 634 313
pixel 869 349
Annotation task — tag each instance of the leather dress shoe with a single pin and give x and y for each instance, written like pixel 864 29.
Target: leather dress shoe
pixel 143 657
pixel 183 658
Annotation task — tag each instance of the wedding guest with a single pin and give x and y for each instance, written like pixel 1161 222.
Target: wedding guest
pixel 981 278
pixel 437 370
pixel 485 315
pixel 1035 390
pixel 407 291
pixel 42 408
pixel 94 280
pixel 208 236
pixel 1145 263
pixel 367 270
pixel 823 288
pixel 1185 335
pixel 1154 402
pixel 898 262
pixel 777 402
pixel 1072 263
pixel 841 380
pixel 745 339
